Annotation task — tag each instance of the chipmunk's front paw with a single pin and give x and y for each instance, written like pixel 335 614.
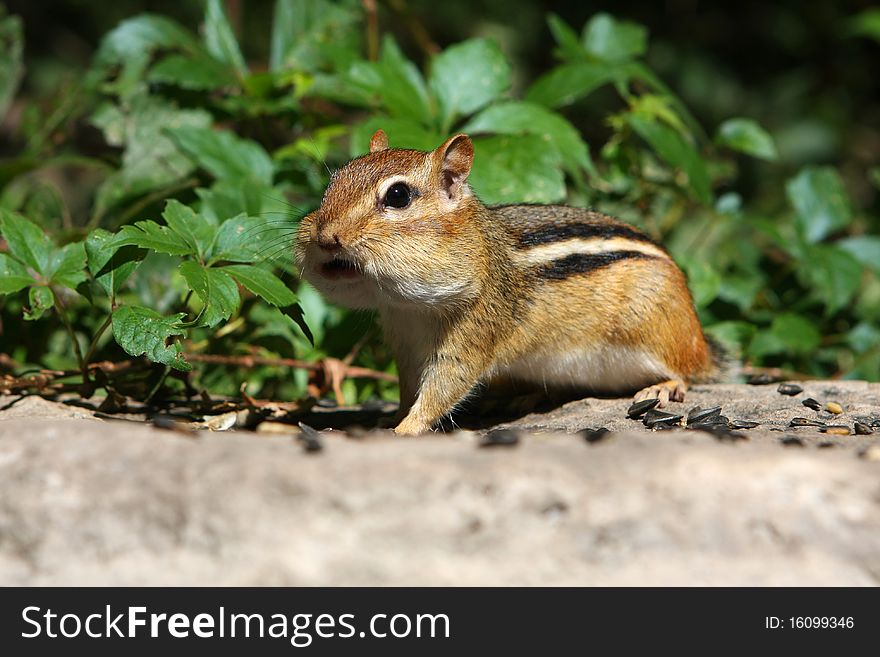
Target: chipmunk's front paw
pixel 672 390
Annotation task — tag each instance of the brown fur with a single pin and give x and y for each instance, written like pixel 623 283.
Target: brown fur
pixel 461 302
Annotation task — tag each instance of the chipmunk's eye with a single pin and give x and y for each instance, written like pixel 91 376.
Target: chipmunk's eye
pixel 398 195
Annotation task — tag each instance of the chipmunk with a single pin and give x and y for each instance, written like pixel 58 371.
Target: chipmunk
pixel 468 294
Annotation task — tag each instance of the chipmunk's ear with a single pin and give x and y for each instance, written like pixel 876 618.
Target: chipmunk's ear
pixel 456 156
pixel 379 141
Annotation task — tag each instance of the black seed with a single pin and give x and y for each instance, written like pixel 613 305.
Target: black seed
pixel 761 379
pixel 809 402
pixel 804 422
pixel 655 418
pixel 310 438
pixel 594 435
pixel 825 445
pixel 875 423
pixel 638 409
pixel 790 389
pixel 708 426
pixel 698 414
pixel 500 438
pixel 742 424
pixel 729 436
pixel 862 429
pixel 792 441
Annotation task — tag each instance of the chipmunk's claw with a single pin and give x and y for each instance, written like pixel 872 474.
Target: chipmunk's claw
pixel 666 391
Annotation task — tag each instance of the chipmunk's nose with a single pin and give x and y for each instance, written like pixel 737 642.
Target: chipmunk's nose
pixel 327 241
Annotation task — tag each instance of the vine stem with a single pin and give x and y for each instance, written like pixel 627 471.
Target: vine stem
pixel 94 343
pixel 83 366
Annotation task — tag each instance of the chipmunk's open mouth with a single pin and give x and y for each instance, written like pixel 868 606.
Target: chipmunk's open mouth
pixel 340 268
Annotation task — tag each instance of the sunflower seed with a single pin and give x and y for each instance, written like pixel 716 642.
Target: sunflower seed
pixel 834 407
pixel 826 445
pixel 742 424
pixel 500 438
pixel 310 438
pixel 862 429
pixel 792 441
pixel 710 425
pixel 654 418
pixel 809 402
pixel 789 389
pixel 759 379
pixel 698 414
pixel 804 422
pixel 594 435
pixel 639 408
pixel 835 430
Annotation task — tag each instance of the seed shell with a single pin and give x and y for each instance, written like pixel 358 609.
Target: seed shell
pixel 639 408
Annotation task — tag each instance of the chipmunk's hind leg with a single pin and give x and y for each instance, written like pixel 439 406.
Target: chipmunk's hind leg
pixel 665 391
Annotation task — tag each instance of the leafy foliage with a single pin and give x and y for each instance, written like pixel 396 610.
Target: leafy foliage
pixel 174 235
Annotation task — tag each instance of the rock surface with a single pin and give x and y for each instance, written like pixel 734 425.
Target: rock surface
pixel 90 502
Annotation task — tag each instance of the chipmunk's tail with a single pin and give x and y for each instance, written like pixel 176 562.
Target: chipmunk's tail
pixel 726 365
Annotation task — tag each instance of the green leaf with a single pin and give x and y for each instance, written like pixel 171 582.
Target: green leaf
pixel 519 118
pixel 11 60
pixel 832 274
pixel 864 248
pixel 732 335
pixel 150 235
pixel 866 24
pixel 789 333
pixel 40 299
pixel 569 44
pixel 27 241
pixel 863 337
pixel 131 45
pixel 197 231
pixel 263 283
pixel 606 38
pixel 466 77
pixel 142 34
pixel 230 198
pixel 224 154
pixel 216 289
pixel 402 133
pixel 110 264
pixel 13 275
pixel 151 159
pixel 68 265
pixel 396 82
pixel 313 35
pixel 249 239
pixel 748 137
pixel 516 169
pixel 220 39
pixel 200 73
pixel 741 289
pixel 570 82
pixel 269 287
pixel 820 202
pixel 673 148
pixel 703 280
pixel 141 331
